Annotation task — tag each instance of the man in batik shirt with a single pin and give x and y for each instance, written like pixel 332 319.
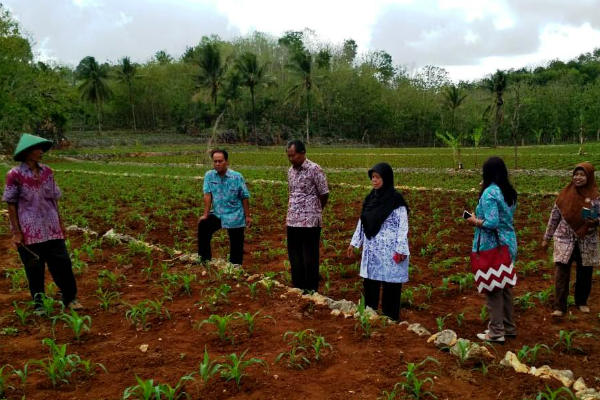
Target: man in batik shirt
pixel 225 206
pixel 32 196
pixel 308 194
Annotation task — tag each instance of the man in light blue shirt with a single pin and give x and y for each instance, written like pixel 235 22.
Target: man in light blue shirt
pixel 225 206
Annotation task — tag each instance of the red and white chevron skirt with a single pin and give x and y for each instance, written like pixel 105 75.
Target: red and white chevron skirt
pixel 493 269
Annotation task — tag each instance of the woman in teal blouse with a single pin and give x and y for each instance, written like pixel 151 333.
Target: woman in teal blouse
pixel 493 220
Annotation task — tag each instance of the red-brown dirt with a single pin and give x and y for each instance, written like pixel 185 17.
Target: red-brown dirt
pixel 355 367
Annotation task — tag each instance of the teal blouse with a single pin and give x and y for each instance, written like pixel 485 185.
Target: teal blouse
pixel 496 215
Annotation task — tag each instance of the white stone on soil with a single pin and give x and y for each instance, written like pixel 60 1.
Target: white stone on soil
pixel 511 360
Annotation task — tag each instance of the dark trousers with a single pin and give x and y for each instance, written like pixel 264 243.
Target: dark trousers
pixel 303 252
pixel 583 281
pixel 54 254
pixel 500 306
pixel 206 229
pixel 390 299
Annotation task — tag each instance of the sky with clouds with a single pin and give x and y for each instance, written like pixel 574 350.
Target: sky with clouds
pixel 469 38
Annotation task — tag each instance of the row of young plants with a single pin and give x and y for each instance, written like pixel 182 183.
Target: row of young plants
pixel 300 350
pixel 530 157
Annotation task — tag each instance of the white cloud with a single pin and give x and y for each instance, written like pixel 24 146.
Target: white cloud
pixel 468 37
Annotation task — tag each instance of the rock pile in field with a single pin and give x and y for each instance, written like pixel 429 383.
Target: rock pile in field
pixel 444 339
pixel 564 376
pixel 418 329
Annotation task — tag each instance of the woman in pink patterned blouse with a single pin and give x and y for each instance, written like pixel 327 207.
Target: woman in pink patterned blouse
pixel 575 237
pixel 32 196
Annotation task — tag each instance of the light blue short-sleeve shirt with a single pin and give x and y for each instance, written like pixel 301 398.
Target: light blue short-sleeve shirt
pixel 227 192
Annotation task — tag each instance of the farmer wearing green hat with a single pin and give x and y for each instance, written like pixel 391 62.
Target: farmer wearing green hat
pixel 32 196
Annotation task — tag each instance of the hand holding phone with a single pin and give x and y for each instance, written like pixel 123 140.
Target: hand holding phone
pixel 466 214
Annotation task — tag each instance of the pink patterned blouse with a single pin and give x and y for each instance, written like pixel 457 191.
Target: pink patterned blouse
pixel 36 199
pixel 305 185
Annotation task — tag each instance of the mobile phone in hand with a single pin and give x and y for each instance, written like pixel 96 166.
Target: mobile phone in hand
pixel 467 215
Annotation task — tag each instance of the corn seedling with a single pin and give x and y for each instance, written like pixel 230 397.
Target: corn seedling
pixel 483 313
pixel 296 357
pixel 22 374
pixel 234 367
pixel 524 301
pixel 364 319
pixel 9 331
pixel 544 295
pixel 250 319
pixel 106 297
pixel 269 284
pixel 23 313
pixel 47 304
pixel 528 355
pixel 318 344
pixel 427 289
pixel 253 288
pixel 460 317
pixel 462 346
pixel 562 393
pixel 144 390
pixel 219 294
pixel 414 381
pixel 110 279
pixel 138 314
pixel 221 322
pixel 77 323
pixel 59 366
pixel 4 386
pixel 207 368
pixel 566 341
pixel 17 277
pixel 407 297
pixel 148 271
pixel 439 321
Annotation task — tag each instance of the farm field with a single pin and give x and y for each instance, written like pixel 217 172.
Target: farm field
pixel 151 312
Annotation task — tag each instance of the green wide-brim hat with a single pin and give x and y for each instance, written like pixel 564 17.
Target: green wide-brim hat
pixel 28 141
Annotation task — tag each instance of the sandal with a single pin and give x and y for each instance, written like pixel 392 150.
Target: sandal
pixel 584 309
pixel 486 337
pixel 506 335
pixel 557 313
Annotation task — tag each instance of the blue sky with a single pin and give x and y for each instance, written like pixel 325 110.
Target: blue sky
pixel 469 38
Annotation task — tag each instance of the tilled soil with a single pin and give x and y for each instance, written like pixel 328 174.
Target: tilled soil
pixel 355 367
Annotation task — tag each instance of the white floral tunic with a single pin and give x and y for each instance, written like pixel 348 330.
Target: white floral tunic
pixel 377 261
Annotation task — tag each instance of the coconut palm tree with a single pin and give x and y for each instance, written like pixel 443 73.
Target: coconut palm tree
pixel 252 74
pixel 301 63
pixel 497 84
pixel 94 86
pixel 453 98
pixel 126 74
pixel 212 69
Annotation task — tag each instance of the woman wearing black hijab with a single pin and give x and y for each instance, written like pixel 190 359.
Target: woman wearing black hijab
pixel 382 232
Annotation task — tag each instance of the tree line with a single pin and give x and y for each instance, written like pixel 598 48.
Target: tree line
pixel 262 89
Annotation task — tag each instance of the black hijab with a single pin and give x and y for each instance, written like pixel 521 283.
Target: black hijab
pixel 380 203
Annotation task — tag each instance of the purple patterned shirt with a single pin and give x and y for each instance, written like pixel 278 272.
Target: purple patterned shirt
pixel 36 199
pixel 305 185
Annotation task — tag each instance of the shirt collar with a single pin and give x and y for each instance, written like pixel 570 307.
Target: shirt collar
pixel 25 168
pixel 227 173
pixel 302 166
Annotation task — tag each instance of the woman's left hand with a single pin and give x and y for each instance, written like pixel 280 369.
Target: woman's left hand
pixel 472 220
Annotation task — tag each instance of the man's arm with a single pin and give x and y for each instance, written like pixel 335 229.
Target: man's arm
pixel 246 205
pixel 14 224
pixel 207 206
pixel 323 199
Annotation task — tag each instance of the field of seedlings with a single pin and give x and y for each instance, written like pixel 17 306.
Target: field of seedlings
pixel 158 325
